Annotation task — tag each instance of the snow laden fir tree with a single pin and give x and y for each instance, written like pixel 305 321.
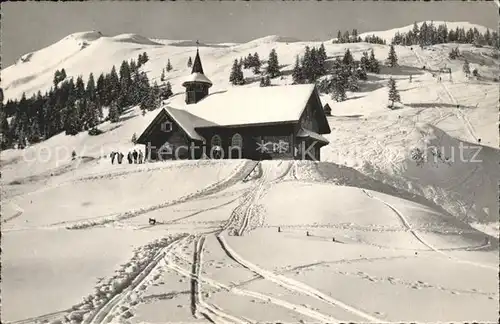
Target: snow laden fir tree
pixel 393 93
pixel 236 77
pixel 273 68
pixel 392 59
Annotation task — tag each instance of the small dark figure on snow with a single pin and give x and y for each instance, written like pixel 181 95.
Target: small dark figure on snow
pixel 120 157
pixel 423 68
pixel 152 221
pixel 113 155
pixel 410 78
pixel 458 106
pixel 479 140
pixel 129 157
pixel 134 155
pixel 140 157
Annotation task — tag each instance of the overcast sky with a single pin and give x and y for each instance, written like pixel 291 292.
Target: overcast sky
pixel 28 26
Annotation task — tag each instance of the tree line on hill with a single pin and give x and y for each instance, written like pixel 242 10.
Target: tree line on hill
pixel 71 106
pixel 353 37
pixel 343 75
pixel 430 34
pixel 254 63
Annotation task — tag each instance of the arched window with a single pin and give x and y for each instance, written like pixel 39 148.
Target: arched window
pixel 216 141
pixel 237 140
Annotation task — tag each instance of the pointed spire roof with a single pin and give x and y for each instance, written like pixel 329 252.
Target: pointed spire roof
pixel 197 67
pixel 197 74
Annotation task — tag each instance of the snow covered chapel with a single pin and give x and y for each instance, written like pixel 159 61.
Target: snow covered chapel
pixel 275 122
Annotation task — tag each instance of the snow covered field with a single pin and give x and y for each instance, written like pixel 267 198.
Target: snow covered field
pixel 368 235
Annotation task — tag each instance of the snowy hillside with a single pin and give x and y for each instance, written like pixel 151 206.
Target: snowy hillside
pixel 397 223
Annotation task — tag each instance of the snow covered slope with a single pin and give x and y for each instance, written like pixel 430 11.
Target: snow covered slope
pixel 332 241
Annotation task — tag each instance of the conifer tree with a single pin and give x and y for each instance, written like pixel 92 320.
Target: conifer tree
pixel 322 58
pixel 145 57
pixel 133 66
pixel 90 89
pixel 365 62
pixel 297 72
pixel 113 84
pixel 71 120
pixel 139 61
pixel 307 65
pixel 63 74
pixel 338 88
pixel 393 93
pixel 168 90
pixel 314 65
pixel 101 91
pixel 415 33
pixel 392 59
pixel 268 81
pixel 339 37
pixel 348 59
pixel 57 76
pixel 273 69
pixel 5 130
pixel 354 35
pixel 256 63
pixel 114 115
pixel 346 37
pixel 247 63
pixel 236 76
pixel 190 62
pixel 155 93
pixel 169 66
pixel 80 88
pixel 374 65
pixel 162 77
pixel 94 114
pixel 353 82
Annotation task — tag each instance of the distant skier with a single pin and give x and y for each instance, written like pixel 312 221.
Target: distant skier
pixel 140 157
pixel 113 155
pixel 129 157
pixel 134 155
pixel 410 78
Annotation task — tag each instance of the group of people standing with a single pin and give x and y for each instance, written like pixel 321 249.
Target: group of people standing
pixel 133 157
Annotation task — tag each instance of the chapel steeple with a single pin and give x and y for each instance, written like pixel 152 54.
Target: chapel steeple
pixel 196 84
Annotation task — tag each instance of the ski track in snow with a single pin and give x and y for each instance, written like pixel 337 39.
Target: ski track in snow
pixel 198 305
pixel 240 173
pixel 293 284
pixel 421 240
pixel 106 312
pixel 263 297
pixel 240 219
pixel 459 113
